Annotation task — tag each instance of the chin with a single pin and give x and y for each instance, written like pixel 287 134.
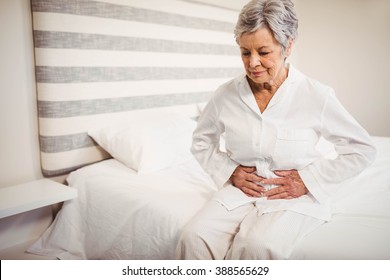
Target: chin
pixel 258 80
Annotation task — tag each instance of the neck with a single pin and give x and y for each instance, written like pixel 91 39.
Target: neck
pixel 271 86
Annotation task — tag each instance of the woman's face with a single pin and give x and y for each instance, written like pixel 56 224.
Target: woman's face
pixel 263 57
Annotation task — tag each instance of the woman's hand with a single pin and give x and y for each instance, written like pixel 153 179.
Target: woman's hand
pixel 291 185
pixel 244 178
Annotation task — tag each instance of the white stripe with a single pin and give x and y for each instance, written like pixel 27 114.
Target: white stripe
pixel 56 161
pixel 232 5
pixel 181 8
pixel 99 58
pixel 85 91
pixel 74 125
pixel 94 25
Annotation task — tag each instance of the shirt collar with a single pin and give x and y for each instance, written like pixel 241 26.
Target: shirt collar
pixel 247 95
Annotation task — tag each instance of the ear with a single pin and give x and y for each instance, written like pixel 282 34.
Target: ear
pixel 289 47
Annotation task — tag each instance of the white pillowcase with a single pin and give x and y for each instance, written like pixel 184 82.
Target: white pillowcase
pixel 148 144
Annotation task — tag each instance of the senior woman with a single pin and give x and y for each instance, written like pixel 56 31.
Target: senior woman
pixel 274 185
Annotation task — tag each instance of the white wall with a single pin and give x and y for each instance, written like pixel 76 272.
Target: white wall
pixel 19 156
pixel 346 44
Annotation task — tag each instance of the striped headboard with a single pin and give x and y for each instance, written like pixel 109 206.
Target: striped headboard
pixel 99 62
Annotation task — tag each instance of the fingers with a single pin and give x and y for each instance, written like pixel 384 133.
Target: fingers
pixel 247 173
pixel 242 170
pixel 251 189
pixel 278 193
pixel 248 169
pixel 252 192
pixel 255 178
pixel 273 181
pixel 283 173
pixel 290 185
pixel 244 179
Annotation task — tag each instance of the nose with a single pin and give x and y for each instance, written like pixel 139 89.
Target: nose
pixel 254 61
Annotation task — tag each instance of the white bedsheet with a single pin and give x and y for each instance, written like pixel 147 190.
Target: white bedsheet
pixel 121 215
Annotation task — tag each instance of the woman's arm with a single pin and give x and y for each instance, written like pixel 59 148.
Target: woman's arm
pixel 352 143
pixel 206 146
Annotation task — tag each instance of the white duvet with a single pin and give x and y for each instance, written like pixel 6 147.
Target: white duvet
pixel 121 215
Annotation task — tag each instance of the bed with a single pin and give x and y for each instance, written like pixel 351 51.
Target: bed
pixel 120 85
pixel 121 214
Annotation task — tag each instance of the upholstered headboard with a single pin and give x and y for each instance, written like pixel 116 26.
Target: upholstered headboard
pixel 98 62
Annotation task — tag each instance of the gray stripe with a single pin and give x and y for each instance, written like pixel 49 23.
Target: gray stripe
pixel 106 10
pixel 69 40
pixel 58 172
pixel 48 74
pixel 65 109
pixel 56 144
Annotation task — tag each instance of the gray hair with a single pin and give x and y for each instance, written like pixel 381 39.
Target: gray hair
pixel 277 15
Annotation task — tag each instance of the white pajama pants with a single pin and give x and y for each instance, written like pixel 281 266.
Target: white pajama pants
pixel 243 233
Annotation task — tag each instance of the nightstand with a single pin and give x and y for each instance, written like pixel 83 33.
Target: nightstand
pixel 29 196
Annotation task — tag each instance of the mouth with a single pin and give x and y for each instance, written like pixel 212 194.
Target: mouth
pixel 258 73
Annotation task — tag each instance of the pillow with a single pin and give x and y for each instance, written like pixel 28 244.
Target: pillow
pixel 148 144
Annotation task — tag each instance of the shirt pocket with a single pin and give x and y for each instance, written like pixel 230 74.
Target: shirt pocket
pixel 291 147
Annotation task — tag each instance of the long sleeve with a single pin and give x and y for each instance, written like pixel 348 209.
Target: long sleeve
pixel 352 143
pixel 206 146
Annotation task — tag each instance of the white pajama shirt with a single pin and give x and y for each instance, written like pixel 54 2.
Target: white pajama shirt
pixel 283 137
